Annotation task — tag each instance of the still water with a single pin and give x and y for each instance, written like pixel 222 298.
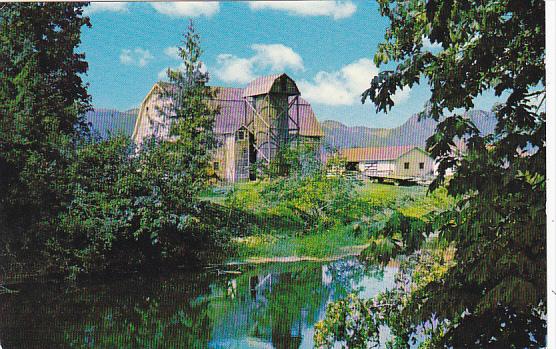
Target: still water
pixel 261 306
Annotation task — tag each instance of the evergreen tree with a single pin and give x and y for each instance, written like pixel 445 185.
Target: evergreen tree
pixel 42 97
pixel 191 135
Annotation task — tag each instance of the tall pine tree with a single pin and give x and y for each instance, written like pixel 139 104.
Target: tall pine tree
pixel 191 136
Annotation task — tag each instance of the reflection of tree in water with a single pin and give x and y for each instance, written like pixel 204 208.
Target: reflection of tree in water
pixel 347 274
pixel 295 304
pixel 125 314
pixel 276 304
pixel 167 315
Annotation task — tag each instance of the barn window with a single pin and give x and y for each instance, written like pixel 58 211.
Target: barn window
pixel 215 165
pixel 421 165
pixel 406 165
pixel 240 135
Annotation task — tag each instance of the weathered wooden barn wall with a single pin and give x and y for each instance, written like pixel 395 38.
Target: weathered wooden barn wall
pixel 219 157
pixel 378 168
pixel 229 159
pixel 241 150
pixel 154 112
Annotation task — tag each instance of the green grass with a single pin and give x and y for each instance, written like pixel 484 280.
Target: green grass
pixel 411 201
pixel 333 242
pixel 276 233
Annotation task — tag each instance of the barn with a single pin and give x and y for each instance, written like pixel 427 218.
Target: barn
pixel 395 162
pixel 252 123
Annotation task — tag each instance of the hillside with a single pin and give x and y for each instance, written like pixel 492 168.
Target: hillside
pixel 337 135
pixel 110 121
pixel 412 132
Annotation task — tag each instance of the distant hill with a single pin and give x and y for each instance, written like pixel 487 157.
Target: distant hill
pixel 336 135
pixel 110 121
pixel 412 132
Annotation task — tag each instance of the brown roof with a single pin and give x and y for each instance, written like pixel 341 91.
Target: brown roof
pixel 375 153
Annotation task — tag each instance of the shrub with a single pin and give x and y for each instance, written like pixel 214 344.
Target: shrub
pixel 317 200
pixel 125 215
pixel 400 234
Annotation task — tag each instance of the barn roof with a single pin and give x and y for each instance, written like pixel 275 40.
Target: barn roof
pixel 232 113
pixel 231 109
pixel 232 104
pixel 266 84
pixel 375 153
pixel 308 123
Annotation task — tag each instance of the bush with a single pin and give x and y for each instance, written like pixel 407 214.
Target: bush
pixel 128 213
pixel 400 234
pixel 317 200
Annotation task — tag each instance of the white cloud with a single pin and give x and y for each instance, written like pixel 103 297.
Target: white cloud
pixel 277 56
pixel 138 57
pixel 106 7
pixel 234 69
pixel 401 95
pixel 163 74
pixel 172 52
pixel 335 9
pixel 342 87
pixel 429 46
pixel 187 9
pixel 271 57
pixel 345 86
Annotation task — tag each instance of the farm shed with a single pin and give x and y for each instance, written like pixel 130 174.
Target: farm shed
pixel 252 124
pixel 396 162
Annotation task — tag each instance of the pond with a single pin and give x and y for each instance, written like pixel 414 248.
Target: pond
pixel 271 305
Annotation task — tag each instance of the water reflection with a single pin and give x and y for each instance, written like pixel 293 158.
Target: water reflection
pixel 266 306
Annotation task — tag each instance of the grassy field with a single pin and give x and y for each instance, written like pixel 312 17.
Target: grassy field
pixel 411 201
pixel 277 233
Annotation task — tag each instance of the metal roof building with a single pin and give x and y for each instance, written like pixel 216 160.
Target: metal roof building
pixel 394 162
pixel 252 123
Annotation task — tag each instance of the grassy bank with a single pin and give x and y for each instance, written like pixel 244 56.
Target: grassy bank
pixel 276 230
pixel 322 244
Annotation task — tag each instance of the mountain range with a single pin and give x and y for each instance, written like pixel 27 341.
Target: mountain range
pixel 105 122
pixel 412 132
pixel 337 135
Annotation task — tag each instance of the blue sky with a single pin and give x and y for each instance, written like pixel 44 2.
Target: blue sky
pixel 326 47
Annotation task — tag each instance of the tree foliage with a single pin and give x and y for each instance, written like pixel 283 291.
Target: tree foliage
pixel 139 208
pixel 191 136
pixel 125 216
pixel 42 98
pixel 499 225
pixel 303 193
pixel 82 205
pixel 317 200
